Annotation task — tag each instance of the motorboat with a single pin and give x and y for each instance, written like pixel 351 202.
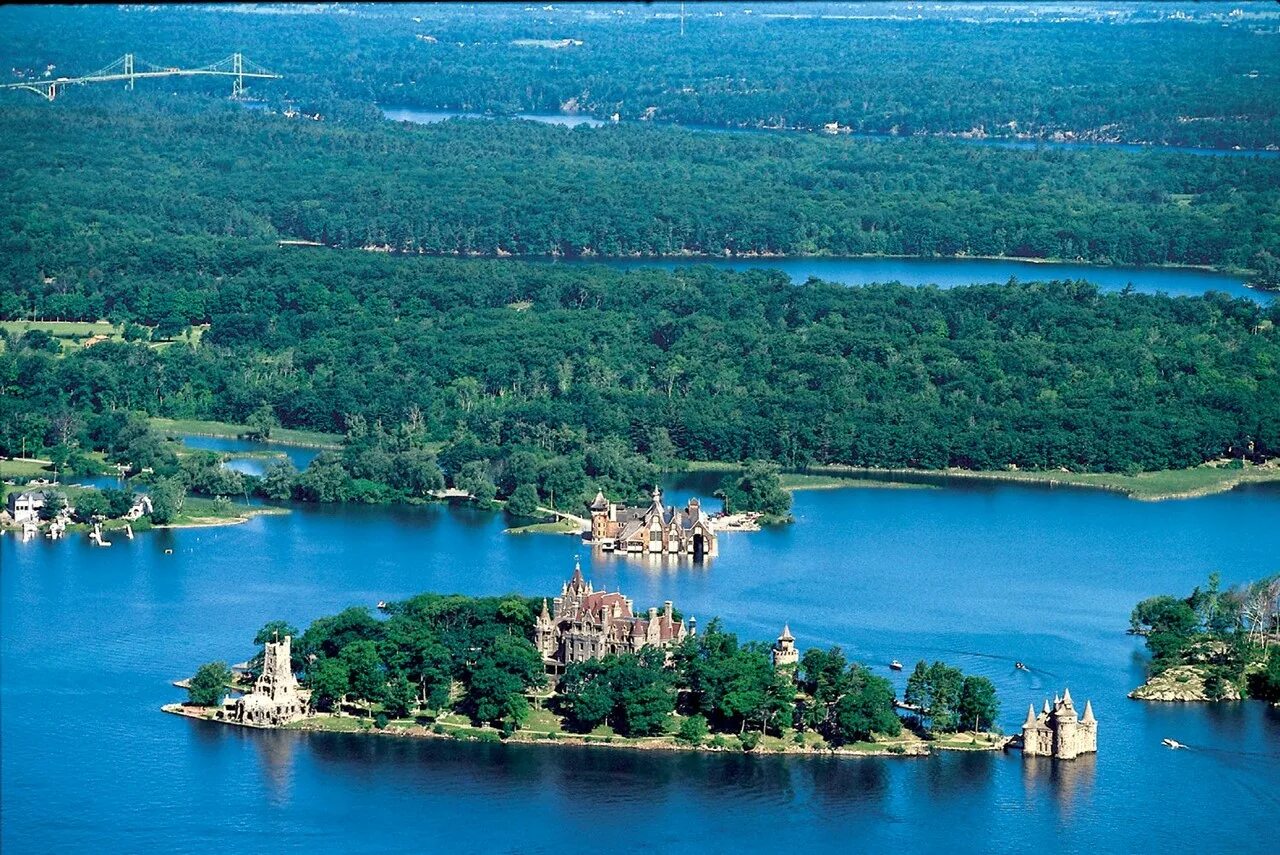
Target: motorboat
pixel 895 665
pixel 1021 666
pixel 382 605
pixel 1172 743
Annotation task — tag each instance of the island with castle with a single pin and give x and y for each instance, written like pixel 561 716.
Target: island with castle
pixel 587 668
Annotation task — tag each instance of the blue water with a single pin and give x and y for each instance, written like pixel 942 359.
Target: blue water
pixel 981 575
pixel 428 117
pixel 300 456
pixel 950 272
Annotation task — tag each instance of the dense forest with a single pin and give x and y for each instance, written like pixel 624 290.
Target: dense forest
pixel 597 373
pixel 1205 76
pixel 146 171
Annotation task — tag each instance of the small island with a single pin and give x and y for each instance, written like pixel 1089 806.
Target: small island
pixel 584 668
pixel 1214 645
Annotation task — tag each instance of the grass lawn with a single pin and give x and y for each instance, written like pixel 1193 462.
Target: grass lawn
pixel 557 527
pixel 810 481
pixel 70 334
pixel 20 469
pixel 285 436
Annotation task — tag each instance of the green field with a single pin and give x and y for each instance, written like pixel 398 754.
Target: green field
pixel 20 469
pixel 284 436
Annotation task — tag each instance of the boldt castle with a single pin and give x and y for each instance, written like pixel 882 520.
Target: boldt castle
pixel 584 623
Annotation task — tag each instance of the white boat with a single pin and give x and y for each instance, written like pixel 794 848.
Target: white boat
pixel 382 605
pixel 895 665
pixel 1172 743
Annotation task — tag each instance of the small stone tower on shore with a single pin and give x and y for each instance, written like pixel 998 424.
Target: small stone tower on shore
pixel 276 697
pixel 784 650
pixel 1057 732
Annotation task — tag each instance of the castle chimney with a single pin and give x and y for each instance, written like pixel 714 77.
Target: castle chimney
pixel 653 613
pixel 666 607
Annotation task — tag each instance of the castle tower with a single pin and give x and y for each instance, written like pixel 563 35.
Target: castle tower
pixel 277 680
pixel 544 632
pixel 277 697
pixel 600 517
pixel 1057 731
pixel 784 651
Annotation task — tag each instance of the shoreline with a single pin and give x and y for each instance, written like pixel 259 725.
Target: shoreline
pixel 698 257
pixel 916 748
pixel 1143 487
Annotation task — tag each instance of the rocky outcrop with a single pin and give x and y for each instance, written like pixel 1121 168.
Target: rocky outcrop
pixel 1181 683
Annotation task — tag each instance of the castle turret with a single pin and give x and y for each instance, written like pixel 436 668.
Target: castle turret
pixel 784 651
pixel 1088 718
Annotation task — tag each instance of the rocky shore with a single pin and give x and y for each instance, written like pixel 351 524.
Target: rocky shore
pixel 1179 684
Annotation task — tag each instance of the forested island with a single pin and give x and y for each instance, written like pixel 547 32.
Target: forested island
pixel 1193 74
pixel 1214 645
pixel 467 668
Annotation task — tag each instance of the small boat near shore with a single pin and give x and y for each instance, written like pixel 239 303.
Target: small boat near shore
pixel 895 665
pixel 382 605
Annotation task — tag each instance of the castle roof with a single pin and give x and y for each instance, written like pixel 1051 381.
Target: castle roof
pixel 786 633
pixel 599 503
pixel 1031 716
pixel 1088 714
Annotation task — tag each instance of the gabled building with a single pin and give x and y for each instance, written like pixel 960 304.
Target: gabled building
pixel 652 530
pixel 26 507
pixel 1057 732
pixel 583 623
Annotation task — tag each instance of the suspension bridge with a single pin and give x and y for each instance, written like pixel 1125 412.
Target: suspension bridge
pixel 130 68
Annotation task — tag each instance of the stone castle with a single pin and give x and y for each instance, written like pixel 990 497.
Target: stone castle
pixel 1056 732
pixel 584 623
pixel 668 531
pixel 276 697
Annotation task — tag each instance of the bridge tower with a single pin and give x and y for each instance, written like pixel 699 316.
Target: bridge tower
pixel 237 68
pixel 128 70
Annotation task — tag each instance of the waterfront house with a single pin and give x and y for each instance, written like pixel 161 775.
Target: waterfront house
pixel 653 530
pixel 26 507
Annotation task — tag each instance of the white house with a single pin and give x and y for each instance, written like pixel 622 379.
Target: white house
pixel 26 507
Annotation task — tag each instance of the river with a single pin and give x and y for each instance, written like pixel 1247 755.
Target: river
pixel 980 575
